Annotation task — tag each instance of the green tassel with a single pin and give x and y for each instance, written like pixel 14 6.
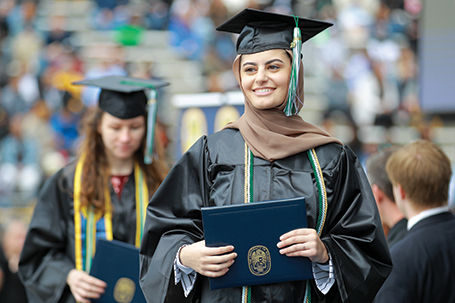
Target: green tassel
pixel 151 118
pixel 296 45
pixel 151 121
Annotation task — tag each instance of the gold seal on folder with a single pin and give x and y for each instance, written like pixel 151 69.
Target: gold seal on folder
pixel 259 260
pixel 124 290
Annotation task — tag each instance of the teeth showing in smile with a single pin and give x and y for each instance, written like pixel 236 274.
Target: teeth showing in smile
pixel 263 90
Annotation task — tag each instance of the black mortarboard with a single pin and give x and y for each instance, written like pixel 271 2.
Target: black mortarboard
pixel 260 30
pixel 124 98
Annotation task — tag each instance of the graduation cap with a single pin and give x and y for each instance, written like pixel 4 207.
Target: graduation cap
pixel 260 31
pixel 125 98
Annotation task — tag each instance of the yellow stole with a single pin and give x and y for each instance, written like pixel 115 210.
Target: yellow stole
pixel 93 220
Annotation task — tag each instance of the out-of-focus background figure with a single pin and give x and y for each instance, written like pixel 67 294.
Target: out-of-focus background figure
pixel 12 239
pixel 395 224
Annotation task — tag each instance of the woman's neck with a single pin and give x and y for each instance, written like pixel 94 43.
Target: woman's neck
pixel 121 167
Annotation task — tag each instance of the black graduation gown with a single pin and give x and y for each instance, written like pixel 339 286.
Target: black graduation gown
pixel 212 173
pixel 48 254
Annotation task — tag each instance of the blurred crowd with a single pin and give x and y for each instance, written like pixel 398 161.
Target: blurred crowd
pixel 366 62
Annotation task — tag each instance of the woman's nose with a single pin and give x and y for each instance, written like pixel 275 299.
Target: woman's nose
pixel 261 76
pixel 125 135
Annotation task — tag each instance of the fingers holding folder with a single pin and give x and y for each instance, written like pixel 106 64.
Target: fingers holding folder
pixel 85 287
pixel 303 242
pixel 208 261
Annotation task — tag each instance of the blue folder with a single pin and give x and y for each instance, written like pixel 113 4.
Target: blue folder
pixel 254 230
pixel 117 264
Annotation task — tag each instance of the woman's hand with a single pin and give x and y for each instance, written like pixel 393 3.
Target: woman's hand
pixel 208 261
pixel 303 242
pixel 84 287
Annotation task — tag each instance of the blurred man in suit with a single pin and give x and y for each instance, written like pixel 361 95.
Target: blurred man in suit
pixel 424 260
pixel 392 218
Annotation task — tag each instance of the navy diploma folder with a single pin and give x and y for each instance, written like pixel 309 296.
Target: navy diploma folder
pixel 254 230
pixel 117 264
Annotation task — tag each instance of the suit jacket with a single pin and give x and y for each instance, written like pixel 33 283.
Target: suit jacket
pixel 423 263
pixel 397 232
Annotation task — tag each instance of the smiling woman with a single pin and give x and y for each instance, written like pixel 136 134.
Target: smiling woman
pixel 265 78
pixel 270 153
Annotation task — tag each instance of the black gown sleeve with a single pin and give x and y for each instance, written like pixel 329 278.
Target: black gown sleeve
pixel 45 260
pixel 353 233
pixel 173 219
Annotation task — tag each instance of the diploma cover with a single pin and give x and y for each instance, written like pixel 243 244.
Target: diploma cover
pixel 117 264
pixel 254 230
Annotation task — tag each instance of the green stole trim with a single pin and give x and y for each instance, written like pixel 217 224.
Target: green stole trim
pixel 322 205
pixel 248 197
pixel 322 209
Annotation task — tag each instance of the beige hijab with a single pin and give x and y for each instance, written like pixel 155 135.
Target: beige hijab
pixel 270 134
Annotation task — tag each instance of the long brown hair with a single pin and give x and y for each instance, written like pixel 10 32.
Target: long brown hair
pixel 96 170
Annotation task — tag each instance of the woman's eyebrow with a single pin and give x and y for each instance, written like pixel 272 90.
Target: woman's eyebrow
pixel 273 60
pixel 249 63
pixel 266 63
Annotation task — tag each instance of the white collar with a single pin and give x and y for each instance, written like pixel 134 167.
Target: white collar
pixel 425 214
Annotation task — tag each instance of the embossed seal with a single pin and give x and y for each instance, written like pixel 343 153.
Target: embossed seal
pixel 259 260
pixel 124 290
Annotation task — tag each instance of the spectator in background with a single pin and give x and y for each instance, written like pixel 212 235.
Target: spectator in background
pixel 12 241
pixel 109 62
pixel 49 93
pixel 57 30
pixel 3 123
pixel 26 47
pixel 157 15
pixel 109 14
pixel 363 87
pixel 392 218
pixel 407 77
pixel 21 91
pixel 190 28
pixel 337 93
pixel 63 67
pixel 424 260
pixel 130 33
pixel 220 51
pixel 21 15
pixel 4 37
pixel 19 165
pixel 355 19
pixel 4 30
pixel 35 124
pixel 65 123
